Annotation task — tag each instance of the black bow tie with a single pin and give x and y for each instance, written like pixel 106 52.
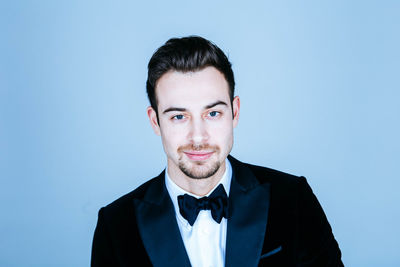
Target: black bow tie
pixel 217 202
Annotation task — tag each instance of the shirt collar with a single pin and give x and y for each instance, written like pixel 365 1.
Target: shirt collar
pixel 174 190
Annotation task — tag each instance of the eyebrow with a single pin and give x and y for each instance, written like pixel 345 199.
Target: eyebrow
pixel 174 109
pixel 216 104
pixel 184 109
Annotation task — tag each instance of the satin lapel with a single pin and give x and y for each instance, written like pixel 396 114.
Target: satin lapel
pixel 248 215
pixel 158 227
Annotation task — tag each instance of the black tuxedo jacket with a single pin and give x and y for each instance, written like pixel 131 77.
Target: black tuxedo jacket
pixel 274 220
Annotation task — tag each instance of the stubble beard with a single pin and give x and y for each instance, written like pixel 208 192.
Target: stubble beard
pixel 199 169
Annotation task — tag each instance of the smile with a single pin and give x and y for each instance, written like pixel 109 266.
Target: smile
pixel 198 155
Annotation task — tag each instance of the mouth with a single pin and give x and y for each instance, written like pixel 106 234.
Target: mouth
pixel 198 155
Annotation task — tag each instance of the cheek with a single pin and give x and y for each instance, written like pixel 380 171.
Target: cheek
pixel 222 133
pixel 172 138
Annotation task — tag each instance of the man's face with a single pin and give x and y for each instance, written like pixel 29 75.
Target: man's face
pixel 195 120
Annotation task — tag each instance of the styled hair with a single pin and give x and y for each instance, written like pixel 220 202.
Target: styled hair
pixel 187 54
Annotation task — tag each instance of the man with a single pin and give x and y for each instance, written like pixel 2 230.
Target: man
pixel 207 208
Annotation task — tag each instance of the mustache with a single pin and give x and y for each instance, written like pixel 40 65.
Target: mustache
pixel 198 147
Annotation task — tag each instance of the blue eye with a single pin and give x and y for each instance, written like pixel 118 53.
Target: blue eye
pixel 213 113
pixel 178 117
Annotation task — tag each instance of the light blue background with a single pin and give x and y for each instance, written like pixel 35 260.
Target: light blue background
pixel 318 80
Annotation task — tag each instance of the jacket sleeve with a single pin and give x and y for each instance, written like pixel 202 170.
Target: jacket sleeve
pixel 102 249
pixel 317 245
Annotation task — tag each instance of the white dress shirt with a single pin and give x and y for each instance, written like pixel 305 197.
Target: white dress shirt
pixel 205 241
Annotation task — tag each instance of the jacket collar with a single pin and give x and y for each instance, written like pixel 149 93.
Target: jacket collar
pixel 248 215
pixel 158 228
pixel 249 204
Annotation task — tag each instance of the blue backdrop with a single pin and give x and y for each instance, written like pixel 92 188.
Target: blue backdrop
pixel 319 84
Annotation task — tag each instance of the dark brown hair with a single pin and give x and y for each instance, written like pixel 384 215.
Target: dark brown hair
pixel 192 53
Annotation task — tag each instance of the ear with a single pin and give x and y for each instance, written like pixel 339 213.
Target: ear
pixel 236 110
pixel 151 113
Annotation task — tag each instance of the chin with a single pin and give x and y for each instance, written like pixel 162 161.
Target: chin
pixel 199 170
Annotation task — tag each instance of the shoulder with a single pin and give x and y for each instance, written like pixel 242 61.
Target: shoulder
pixel 288 192
pixel 124 204
pixel 283 185
pixel 267 175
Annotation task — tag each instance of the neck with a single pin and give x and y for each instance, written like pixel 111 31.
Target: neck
pixel 198 187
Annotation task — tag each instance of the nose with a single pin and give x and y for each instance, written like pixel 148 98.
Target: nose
pixel 198 134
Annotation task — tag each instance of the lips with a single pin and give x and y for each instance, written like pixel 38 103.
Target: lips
pixel 198 155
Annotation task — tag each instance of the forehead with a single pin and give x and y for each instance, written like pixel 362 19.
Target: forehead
pixel 191 89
